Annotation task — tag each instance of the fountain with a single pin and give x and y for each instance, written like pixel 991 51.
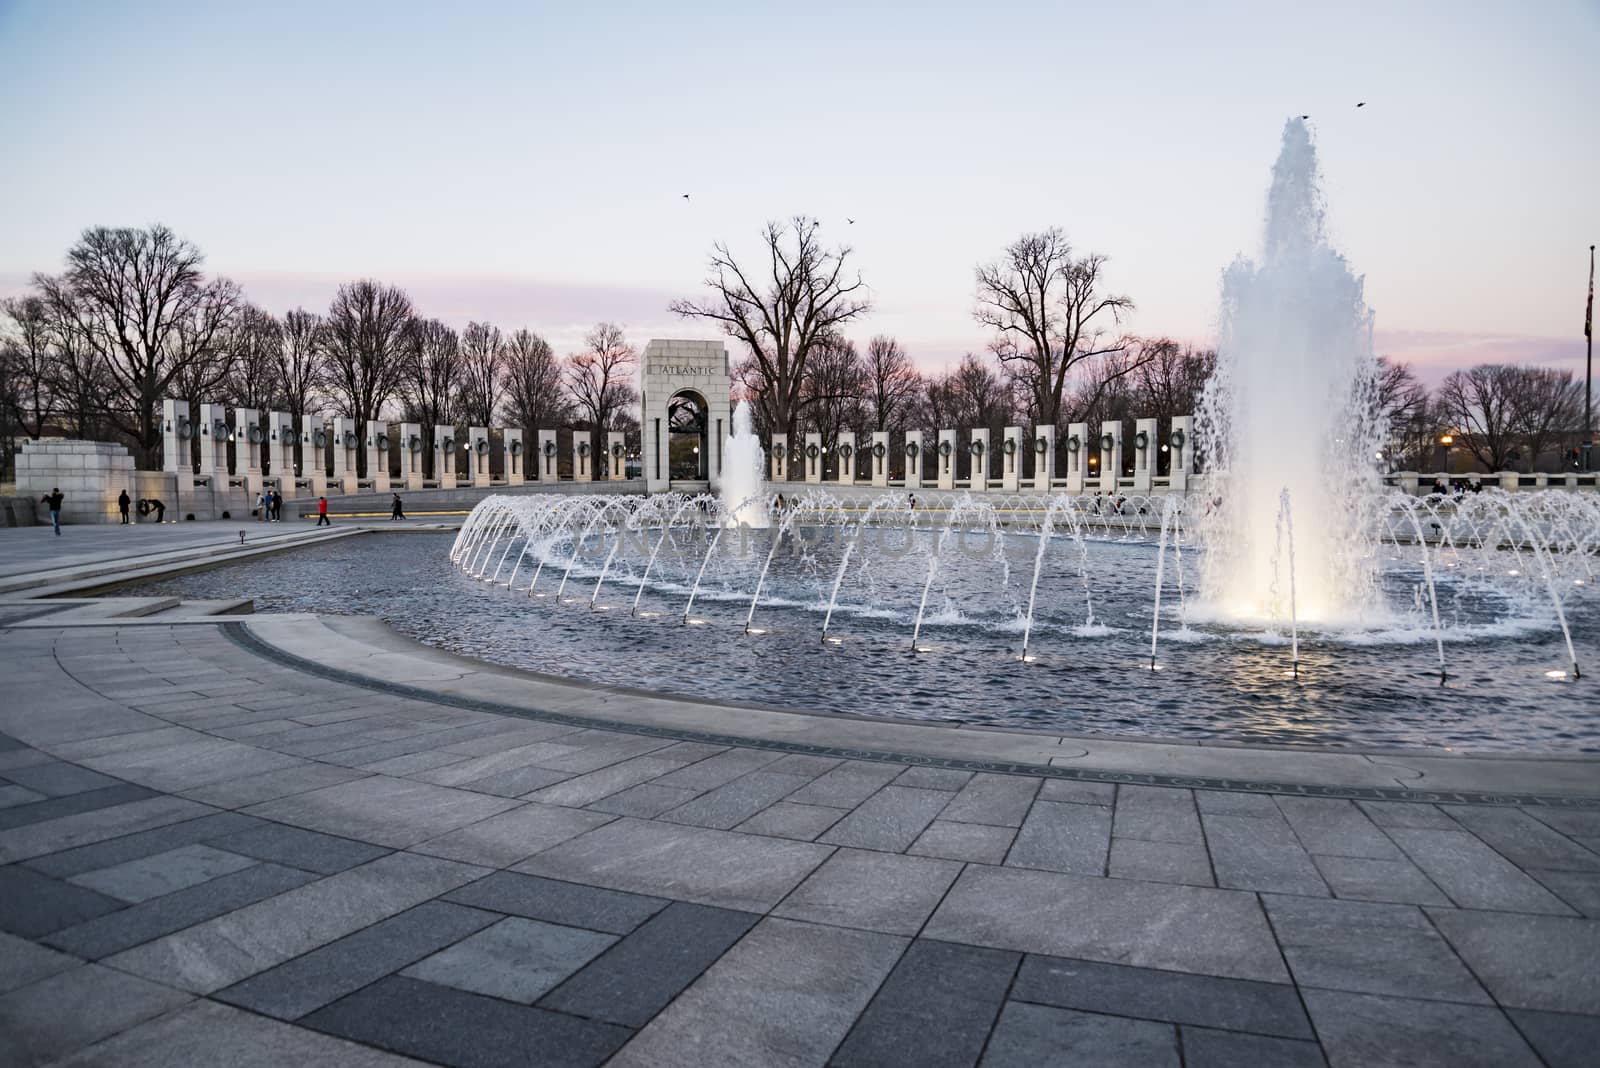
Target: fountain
pixel 742 482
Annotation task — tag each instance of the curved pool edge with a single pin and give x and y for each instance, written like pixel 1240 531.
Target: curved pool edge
pixel 365 651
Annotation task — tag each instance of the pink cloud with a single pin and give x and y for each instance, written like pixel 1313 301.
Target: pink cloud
pixel 1433 354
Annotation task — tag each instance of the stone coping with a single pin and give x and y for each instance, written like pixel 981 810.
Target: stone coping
pixel 366 652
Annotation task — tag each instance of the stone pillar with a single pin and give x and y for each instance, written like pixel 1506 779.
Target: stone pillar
pixel 813 457
pixel 617 449
pixel 1013 448
pixel 1144 454
pixel 1078 449
pixel 249 448
pixel 213 443
pixel 549 463
pixel 478 456
pixel 346 450
pixel 1509 481
pixel 1110 455
pixel 846 446
pixel 1044 458
pixel 411 443
pixel 978 449
pixel 913 448
pixel 1180 441
pixel 378 445
pixel 444 456
pixel 880 458
pixel 515 455
pixel 780 458
pixel 175 435
pixel 313 458
pixel 280 450
pixel 581 447
pixel 946 460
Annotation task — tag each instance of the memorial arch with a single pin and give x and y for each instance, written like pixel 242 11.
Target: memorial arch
pixel 685 414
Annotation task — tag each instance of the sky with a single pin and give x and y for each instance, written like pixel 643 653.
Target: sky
pixel 525 163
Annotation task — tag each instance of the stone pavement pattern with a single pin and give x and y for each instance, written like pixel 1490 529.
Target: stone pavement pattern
pixel 208 857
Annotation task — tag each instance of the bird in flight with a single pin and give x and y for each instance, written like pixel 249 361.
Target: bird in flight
pixel 849 220
pixel 1305 116
pixel 686 196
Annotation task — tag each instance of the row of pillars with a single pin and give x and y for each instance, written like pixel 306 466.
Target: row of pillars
pixel 264 450
pixel 936 468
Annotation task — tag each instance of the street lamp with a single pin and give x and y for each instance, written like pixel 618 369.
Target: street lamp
pixel 1442 459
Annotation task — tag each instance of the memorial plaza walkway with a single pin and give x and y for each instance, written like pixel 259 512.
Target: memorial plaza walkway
pixel 269 840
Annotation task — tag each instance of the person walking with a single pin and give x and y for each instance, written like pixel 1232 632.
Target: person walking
pixel 123 500
pixel 322 513
pixel 397 510
pixel 275 504
pixel 263 505
pixel 53 500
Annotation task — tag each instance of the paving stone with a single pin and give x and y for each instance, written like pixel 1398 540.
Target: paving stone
pixel 645 800
pixel 890 819
pixel 297 848
pixel 565 903
pixel 1156 814
pixel 147 877
pixel 33 905
pixel 596 749
pixel 934 778
pixel 392 812
pixel 1364 879
pixel 57 1015
pixel 1257 854
pixel 789 820
pixel 517 782
pixel 935 1009
pixel 722 868
pixel 1579 889
pixel 1473 875
pixel 1408 814
pixel 1563 1040
pixel 871 890
pixel 636 978
pixel 1233 803
pixel 204 1035
pixel 1336 828
pixel 57 808
pixel 1030 1035
pixel 1077 792
pixel 1059 836
pixel 964 841
pixel 254 789
pixel 1572 822
pixel 324 975
pixel 586 789
pixel 23 962
pixel 803 764
pixel 1204 1048
pixel 785 994
pixel 59 778
pixel 1182 928
pixel 1368 948
pixel 515 959
pixel 847 785
pixel 997 800
pixel 1368 1031
pixel 730 805
pixel 1160 862
pixel 12 796
pixel 502 840
pixel 439 1023
pixel 410 763
pixel 1520 838
pixel 714 771
pixel 229 948
pixel 191 763
pixel 142 844
pixel 1174 997
pixel 117 931
pixel 1529 962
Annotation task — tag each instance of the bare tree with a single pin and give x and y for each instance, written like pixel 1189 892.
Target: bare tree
pixel 807 297
pixel 364 346
pixel 600 379
pixel 892 381
pixel 1168 379
pixel 1483 406
pixel 298 363
pixel 428 385
pixel 252 377
pixel 482 374
pixel 139 298
pixel 30 354
pixel 1552 408
pixel 834 390
pixel 534 398
pixel 1049 315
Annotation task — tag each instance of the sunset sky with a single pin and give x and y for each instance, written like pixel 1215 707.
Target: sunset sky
pixel 525 163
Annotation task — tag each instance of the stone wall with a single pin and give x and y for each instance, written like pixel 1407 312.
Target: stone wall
pixel 90 475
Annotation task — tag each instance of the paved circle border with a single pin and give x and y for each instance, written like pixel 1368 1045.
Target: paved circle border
pixel 241 636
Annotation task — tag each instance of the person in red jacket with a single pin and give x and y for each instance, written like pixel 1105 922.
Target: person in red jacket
pixel 322 512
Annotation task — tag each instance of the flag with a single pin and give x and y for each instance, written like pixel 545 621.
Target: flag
pixel 1588 312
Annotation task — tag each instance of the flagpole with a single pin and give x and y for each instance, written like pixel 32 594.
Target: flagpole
pixel 1588 375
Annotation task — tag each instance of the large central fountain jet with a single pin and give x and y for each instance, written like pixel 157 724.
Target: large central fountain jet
pixel 1291 408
